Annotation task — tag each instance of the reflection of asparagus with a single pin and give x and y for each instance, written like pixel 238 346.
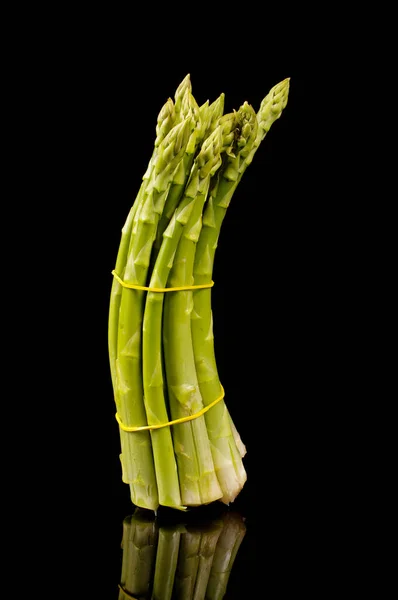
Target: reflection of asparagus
pixel 140 534
pixel 227 548
pixel 197 548
pixel 208 543
pixel 166 562
pixel 178 561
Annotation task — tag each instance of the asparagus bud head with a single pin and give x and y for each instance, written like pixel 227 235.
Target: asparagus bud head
pixel 190 108
pixel 173 146
pixel 248 129
pixel 270 110
pixel 208 159
pixel 228 124
pixel 165 122
pixel 180 92
pixel 275 101
pixel 215 111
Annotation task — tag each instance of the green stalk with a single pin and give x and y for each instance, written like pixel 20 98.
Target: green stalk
pixel 165 122
pixel 137 459
pixel 198 480
pixel 170 481
pixel 227 448
pixel 139 543
pixel 227 458
pixel 214 112
pixel 228 544
pixel 238 440
pixel 166 119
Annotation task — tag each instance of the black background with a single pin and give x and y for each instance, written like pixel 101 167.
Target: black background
pixel 273 301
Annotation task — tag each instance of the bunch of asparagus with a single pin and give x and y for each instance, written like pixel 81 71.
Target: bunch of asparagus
pixel 161 344
pixel 180 561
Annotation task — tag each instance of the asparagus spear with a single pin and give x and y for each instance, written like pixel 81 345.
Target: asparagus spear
pixel 227 449
pixel 165 122
pixel 270 110
pixel 154 379
pixel 166 119
pixel 226 455
pixel 165 465
pixel 195 460
pixel 236 435
pixel 198 480
pixel 215 112
pixel 137 459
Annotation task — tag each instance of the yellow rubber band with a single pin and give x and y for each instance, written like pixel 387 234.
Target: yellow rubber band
pixel 154 289
pixel 176 421
pixel 127 593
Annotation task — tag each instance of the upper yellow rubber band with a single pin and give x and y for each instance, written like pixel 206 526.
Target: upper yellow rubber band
pixel 154 289
pixel 176 421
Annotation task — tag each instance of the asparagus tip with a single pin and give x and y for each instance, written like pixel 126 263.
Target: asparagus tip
pixel 183 86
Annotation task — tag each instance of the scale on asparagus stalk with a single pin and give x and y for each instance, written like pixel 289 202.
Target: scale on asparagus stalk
pixel 179 445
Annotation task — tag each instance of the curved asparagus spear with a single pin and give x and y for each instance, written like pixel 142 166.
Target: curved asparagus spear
pixel 198 479
pixel 189 108
pixel 181 369
pixel 137 459
pixel 219 425
pixel 165 122
pixel 154 378
pixel 227 456
pixel 270 110
pixel 154 398
pixel 167 118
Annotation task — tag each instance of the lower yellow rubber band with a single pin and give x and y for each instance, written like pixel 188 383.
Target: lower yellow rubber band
pixel 127 593
pixel 132 286
pixel 176 421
